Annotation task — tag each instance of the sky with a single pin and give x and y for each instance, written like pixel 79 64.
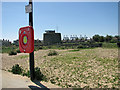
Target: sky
pixel 71 18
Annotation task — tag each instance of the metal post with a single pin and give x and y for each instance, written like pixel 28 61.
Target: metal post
pixel 31 55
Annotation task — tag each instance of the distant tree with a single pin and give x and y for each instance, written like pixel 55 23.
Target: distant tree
pixel 96 38
pixel 101 39
pixel 67 40
pixel 76 39
pixel 16 42
pixel 118 37
pixel 108 38
pixel 82 39
pixel 114 40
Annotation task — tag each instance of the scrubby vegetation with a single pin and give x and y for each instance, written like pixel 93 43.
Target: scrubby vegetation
pixel 52 53
pixel 16 69
pixel 107 41
pixel 109 45
pixel 18 51
pixel 75 50
pixel 26 73
pixel 6 49
pixel 96 68
pixel 12 53
pixel 39 75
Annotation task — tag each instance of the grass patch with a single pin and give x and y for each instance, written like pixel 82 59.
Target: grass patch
pixel 109 45
pixel 75 50
pixel 25 56
pixel 108 62
pixel 8 49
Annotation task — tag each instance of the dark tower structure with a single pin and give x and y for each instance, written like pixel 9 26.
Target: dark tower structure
pixel 50 37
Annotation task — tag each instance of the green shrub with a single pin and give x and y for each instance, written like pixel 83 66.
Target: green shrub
pixel 39 75
pixel 36 48
pixel 16 69
pixel 109 45
pixel 52 52
pixel 80 46
pixel 6 49
pixel 52 81
pixel 40 48
pixel 18 51
pixel 62 48
pixel 97 44
pixel 26 73
pixel 12 53
pixel 74 50
pixel 49 47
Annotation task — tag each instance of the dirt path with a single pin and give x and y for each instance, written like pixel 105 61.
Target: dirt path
pixel 10 80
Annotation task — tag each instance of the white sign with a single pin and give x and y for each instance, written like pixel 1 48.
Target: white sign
pixel 28 8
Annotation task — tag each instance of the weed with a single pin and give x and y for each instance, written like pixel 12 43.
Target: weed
pixel 12 53
pixel 25 56
pixel 26 73
pixel 45 56
pixel 57 78
pixel 18 51
pixel 40 48
pixel 106 86
pixel 39 75
pixel 109 45
pixel 16 69
pixel 74 50
pixel 86 87
pixel 80 46
pixel 52 81
pixel 52 53
pixel 99 85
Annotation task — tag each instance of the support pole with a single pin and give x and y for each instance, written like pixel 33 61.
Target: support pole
pixel 31 55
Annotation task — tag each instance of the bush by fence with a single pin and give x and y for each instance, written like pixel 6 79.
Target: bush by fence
pixel 12 53
pixel 18 51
